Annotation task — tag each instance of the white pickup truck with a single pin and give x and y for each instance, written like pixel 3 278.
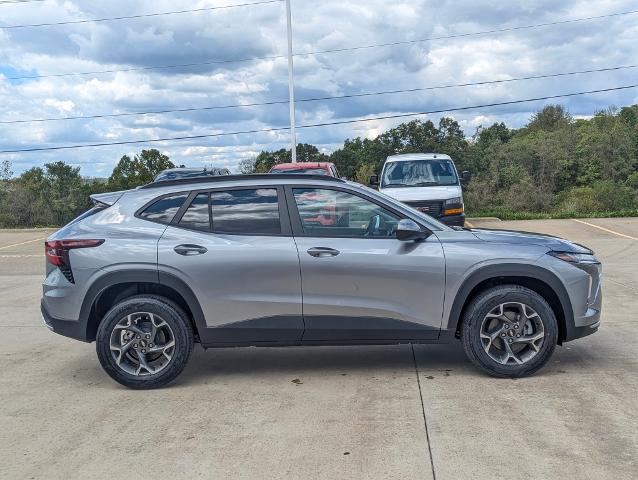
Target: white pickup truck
pixel 428 182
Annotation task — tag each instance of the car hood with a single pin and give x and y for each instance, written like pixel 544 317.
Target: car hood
pixel 529 238
pixel 408 194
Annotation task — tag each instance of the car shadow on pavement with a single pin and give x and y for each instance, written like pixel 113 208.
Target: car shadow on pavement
pixel 216 363
pixel 330 360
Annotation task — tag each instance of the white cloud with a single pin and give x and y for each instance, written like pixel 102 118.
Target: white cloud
pixel 240 33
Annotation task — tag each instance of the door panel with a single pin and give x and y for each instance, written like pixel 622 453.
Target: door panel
pixel 359 281
pixel 249 287
pixel 373 289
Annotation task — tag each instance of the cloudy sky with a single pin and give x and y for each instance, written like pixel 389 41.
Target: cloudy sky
pixel 260 31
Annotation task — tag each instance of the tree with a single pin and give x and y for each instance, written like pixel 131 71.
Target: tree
pixel 247 165
pixel 130 173
pixel 305 153
pixel 550 118
pixel 5 170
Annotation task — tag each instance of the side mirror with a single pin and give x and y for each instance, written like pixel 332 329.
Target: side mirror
pixel 374 180
pixel 408 230
pixel 465 176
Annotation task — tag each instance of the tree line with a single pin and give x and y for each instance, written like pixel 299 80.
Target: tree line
pixel 556 165
pixel 56 193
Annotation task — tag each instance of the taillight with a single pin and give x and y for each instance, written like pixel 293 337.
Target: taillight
pixel 57 253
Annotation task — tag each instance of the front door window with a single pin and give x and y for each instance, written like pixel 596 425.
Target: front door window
pixel 334 213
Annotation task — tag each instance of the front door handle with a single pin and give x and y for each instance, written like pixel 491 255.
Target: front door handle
pixel 189 249
pixel 322 252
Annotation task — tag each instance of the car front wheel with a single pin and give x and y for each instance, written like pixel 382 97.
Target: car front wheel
pixel 509 331
pixel 144 342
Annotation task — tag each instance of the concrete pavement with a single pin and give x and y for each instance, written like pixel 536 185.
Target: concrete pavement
pixel 323 412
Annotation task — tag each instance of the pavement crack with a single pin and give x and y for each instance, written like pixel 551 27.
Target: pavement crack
pixel 622 284
pixel 425 421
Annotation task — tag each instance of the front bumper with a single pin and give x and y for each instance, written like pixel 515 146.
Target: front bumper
pixel 585 325
pixel 453 220
pixel 68 328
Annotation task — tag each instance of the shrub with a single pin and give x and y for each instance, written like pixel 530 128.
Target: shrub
pixel 604 196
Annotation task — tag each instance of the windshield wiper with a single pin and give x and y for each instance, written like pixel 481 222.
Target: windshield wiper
pixel 424 184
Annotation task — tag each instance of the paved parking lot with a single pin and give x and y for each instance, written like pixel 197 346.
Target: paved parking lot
pixel 328 412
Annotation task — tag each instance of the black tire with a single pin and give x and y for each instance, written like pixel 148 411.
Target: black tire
pixel 174 317
pixel 483 304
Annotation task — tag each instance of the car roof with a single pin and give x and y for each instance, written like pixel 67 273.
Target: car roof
pixel 404 157
pixel 240 180
pixel 301 165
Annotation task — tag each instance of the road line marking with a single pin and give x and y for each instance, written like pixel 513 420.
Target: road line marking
pixel 469 224
pixel 20 256
pixel 605 229
pixel 22 243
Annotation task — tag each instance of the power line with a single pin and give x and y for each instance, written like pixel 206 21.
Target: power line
pixel 142 15
pixel 319 52
pixel 470 34
pixel 3 2
pixel 313 125
pixel 314 99
pixel 152 67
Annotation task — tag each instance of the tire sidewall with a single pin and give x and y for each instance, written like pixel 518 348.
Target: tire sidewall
pixel 177 321
pixel 486 302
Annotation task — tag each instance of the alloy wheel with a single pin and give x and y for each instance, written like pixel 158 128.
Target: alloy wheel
pixel 142 344
pixel 512 333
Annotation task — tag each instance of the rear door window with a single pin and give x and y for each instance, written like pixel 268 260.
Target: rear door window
pixel 246 211
pixel 164 209
pixel 197 215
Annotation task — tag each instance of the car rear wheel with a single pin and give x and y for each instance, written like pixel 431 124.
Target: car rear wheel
pixel 509 331
pixel 144 342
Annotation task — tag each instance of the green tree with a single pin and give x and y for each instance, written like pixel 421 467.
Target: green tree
pixel 305 153
pixel 140 170
pixel 607 149
pixel 5 170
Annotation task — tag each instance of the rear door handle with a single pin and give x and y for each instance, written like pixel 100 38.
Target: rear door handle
pixel 322 252
pixel 189 249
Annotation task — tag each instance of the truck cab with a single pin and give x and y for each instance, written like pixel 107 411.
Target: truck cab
pixel 427 182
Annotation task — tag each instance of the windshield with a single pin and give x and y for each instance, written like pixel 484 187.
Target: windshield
pixel 307 171
pixel 435 224
pixel 419 173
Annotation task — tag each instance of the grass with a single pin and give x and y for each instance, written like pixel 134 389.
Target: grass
pixel 511 215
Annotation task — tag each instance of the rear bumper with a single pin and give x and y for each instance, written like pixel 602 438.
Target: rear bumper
pixel 68 328
pixel 453 220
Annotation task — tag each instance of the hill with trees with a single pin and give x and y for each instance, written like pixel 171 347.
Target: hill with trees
pixel 554 166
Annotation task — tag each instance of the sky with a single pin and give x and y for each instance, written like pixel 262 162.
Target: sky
pixel 251 31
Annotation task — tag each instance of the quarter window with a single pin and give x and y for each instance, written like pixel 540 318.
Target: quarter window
pixel 333 213
pixel 196 215
pixel 246 211
pixel 164 209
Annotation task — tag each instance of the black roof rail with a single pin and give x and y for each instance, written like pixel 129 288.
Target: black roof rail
pixel 234 178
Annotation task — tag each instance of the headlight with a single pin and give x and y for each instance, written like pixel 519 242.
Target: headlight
pixel 585 258
pixel 453 206
pixel 588 263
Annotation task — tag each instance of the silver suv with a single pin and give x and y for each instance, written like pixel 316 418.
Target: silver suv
pixel 272 260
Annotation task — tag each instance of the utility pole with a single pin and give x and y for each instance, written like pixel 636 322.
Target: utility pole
pixel 291 87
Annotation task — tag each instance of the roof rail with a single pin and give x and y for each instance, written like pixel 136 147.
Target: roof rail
pixel 234 178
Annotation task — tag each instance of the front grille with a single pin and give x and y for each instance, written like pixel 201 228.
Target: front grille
pixel 431 207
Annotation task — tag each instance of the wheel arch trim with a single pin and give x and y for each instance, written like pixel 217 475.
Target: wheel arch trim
pixel 495 271
pixel 151 276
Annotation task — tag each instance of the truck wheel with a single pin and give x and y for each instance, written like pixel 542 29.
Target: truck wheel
pixel 144 342
pixel 509 331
